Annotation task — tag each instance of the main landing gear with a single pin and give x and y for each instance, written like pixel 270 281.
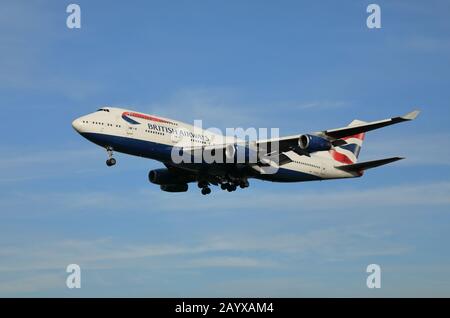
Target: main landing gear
pixel 204 186
pixel 111 161
pixel 232 186
pixel 206 190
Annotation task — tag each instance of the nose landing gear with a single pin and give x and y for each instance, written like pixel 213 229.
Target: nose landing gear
pixel 111 161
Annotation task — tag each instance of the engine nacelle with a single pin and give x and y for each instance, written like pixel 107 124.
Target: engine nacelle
pixel 174 187
pixel 164 177
pixel 313 143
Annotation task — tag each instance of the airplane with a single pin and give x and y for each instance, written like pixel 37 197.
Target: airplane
pixel 323 155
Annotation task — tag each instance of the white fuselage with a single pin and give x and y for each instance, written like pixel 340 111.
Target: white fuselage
pixel 154 137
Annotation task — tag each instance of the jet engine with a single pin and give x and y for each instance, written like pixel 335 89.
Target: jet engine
pixel 313 143
pixel 183 187
pixel 165 177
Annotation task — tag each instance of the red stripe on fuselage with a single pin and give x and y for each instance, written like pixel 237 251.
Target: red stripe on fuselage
pixel 142 116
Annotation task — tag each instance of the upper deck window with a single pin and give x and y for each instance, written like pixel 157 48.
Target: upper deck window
pixel 103 110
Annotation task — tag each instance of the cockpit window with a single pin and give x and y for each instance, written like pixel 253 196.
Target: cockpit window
pixel 103 110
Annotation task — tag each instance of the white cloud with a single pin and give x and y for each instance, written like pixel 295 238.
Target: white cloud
pixel 348 199
pixel 427 43
pixel 33 282
pixel 226 107
pixel 219 107
pixel 425 194
pixel 322 105
pixel 230 261
pixel 39 266
pixel 330 243
pixel 16 166
pixel 13 159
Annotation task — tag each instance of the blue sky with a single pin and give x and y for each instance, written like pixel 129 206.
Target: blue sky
pixel 297 65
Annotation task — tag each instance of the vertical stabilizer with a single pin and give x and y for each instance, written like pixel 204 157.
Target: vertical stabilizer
pixel 348 153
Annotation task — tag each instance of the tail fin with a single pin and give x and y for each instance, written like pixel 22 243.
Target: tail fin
pixel 348 153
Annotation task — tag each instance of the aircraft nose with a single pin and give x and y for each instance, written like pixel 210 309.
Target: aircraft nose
pixel 76 124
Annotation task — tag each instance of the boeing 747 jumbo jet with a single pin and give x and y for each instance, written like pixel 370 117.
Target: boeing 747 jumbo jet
pixel 191 154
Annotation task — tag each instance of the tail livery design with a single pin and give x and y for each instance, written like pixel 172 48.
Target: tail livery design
pixel 348 153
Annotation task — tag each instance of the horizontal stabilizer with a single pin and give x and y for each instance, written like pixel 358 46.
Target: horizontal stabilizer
pixel 361 166
pixel 361 127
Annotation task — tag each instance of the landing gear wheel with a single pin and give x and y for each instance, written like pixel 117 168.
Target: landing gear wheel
pixel 206 191
pixel 202 184
pixel 223 186
pixel 110 162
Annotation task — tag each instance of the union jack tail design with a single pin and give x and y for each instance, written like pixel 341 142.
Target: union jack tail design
pixel 348 153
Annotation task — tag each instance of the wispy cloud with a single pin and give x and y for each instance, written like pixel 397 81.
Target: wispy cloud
pixel 406 195
pixel 228 107
pixel 37 164
pixel 14 159
pixel 331 243
pixel 33 282
pixel 430 194
pixel 230 261
pixel 221 107
pixel 428 44
pixel 322 105
pixel 18 166
pixel 40 264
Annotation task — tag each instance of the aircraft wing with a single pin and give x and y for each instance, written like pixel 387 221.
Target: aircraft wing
pixel 274 149
pixel 364 127
pixel 335 135
pixel 261 156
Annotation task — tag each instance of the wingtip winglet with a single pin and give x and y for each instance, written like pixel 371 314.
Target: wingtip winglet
pixel 411 115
